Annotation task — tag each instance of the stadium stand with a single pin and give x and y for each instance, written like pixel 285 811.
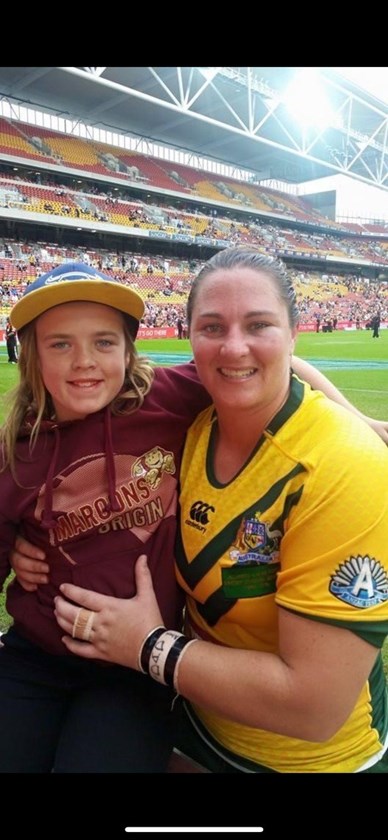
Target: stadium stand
pixel 151 223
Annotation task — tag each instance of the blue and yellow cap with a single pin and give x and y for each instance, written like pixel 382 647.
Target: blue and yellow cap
pixel 76 282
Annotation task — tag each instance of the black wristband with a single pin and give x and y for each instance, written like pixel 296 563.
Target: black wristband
pixel 146 649
pixel 172 659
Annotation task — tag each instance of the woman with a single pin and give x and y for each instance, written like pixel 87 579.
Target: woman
pixel 283 553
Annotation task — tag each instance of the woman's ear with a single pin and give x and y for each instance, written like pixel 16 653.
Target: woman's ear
pixel 294 336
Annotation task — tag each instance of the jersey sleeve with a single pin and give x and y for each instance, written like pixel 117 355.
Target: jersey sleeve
pixel 183 393
pixel 334 553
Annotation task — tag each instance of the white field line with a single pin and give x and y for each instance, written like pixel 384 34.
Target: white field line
pixel 193 830
pixel 366 390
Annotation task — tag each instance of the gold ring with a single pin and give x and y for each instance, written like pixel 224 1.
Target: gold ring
pixel 83 624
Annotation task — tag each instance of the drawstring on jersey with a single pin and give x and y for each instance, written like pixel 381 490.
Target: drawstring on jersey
pixel 49 517
pixel 110 463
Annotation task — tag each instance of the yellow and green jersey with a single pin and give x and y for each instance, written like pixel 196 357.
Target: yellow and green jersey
pixel 304 526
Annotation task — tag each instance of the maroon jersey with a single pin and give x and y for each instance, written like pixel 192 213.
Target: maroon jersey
pixel 95 494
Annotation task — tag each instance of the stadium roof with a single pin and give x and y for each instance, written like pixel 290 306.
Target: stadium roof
pixel 233 114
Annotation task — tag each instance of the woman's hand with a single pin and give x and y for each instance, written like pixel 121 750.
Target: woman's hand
pixel 28 564
pixel 119 625
pixel 378 426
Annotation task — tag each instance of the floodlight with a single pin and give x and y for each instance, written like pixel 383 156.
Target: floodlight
pixel 306 100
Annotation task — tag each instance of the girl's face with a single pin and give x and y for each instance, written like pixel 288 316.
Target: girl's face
pixel 82 357
pixel 242 341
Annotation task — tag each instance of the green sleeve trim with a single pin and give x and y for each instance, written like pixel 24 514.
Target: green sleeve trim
pixel 374 632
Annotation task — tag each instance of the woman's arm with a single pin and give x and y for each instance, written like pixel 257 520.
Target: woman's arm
pixel 307 691
pixel 320 382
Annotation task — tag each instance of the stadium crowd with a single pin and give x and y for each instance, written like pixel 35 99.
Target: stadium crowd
pixel 333 266
pixel 165 283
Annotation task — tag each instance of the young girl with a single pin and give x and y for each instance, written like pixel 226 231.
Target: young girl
pixel 90 462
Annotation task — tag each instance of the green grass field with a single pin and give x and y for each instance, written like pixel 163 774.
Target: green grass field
pixel 353 361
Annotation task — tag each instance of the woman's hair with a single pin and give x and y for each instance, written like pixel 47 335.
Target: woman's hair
pixel 30 402
pixel 244 257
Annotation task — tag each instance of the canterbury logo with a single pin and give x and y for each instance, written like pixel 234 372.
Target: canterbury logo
pixel 199 512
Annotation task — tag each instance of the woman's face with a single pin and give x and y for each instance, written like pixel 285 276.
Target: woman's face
pixel 242 340
pixel 82 357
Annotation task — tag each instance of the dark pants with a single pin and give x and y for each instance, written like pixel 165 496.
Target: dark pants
pixel 11 348
pixel 71 715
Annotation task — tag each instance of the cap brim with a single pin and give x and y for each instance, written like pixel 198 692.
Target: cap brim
pixel 112 294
